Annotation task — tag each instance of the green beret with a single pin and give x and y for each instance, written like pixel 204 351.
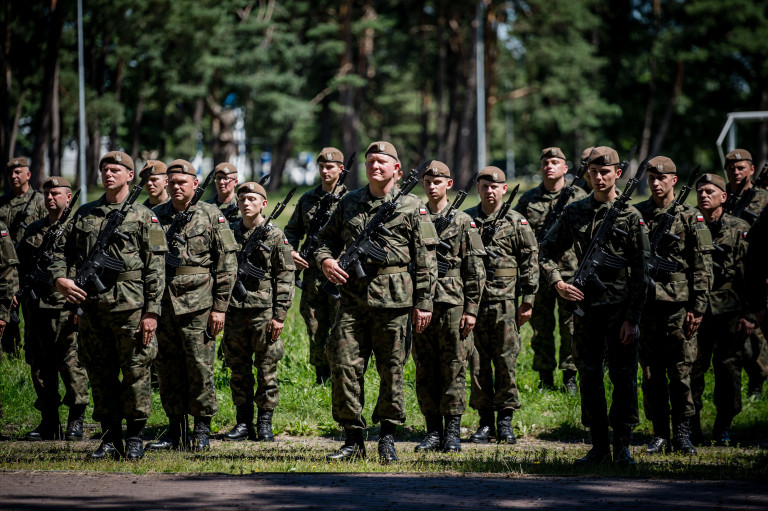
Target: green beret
pixel 157 168
pixel 382 147
pixel 18 161
pixel 118 158
pixel 330 155
pixel 662 165
pixel 181 167
pixel 712 179
pixel 492 174
pixel 56 182
pixel 604 156
pixel 737 155
pixel 437 168
pixel 226 168
pixel 552 152
pixel 251 187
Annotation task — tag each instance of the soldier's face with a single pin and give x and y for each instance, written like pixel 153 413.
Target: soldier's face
pixel 329 172
pixel 602 178
pixel 181 187
pixel 661 185
pixel 156 184
pixel 491 193
pixel 251 204
pixel 739 171
pixel 381 168
pixel 225 183
pixel 709 197
pixel 57 198
pixel 19 176
pixel 553 168
pixel 115 176
pixel 436 187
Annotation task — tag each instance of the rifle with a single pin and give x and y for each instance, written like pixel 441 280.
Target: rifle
pixel 490 230
pixel 368 242
pixel 20 217
pixel 41 259
pixel 737 203
pixel 322 215
pixel 656 263
pixel 568 191
pixel 443 221
pixel 595 257
pixel 245 268
pixel 264 179
pixel 173 234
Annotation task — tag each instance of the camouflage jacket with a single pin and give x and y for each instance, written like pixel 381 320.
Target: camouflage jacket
pixel 22 210
pixel 535 205
pixel 756 205
pixel 210 245
pixel 49 297
pixel 142 281
pixel 9 276
pixel 729 235
pixel 757 268
pixel 149 205
pixel 691 251
pixel 276 289
pixel 575 228
pixel 517 251
pixel 413 240
pixel 465 280
pixel 229 209
pixel 302 216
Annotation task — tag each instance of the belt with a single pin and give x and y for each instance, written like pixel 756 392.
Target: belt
pixel 388 270
pixel 129 275
pixel 505 272
pixel 453 272
pixel 192 270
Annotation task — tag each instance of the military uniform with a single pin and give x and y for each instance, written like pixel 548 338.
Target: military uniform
pixel 9 278
pixel 317 307
pixel 148 204
pixel 228 210
pixel 535 205
pixel 666 353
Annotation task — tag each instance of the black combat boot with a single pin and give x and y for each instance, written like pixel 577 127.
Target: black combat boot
pixel 387 453
pixel 601 447
pixel 660 441
pixel 48 429
pixel 353 448
pixel 111 442
pixel 172 438
pixel 244 427
pixel 569 382
pixel 682 439
pixel 621 438
pixel 134 436
pixel 74 431
pixel 504 431
pixel 433 440
pixel 201 434
pixel 486 429
pixel 546 380
pixel 322 374
pixel 721 430
pixel 264 426
pixel 451 439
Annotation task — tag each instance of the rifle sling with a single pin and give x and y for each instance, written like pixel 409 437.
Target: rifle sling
pixel 453 272
pixel 389 270
pixel 192 270
pixel 129 275
pixel 505 272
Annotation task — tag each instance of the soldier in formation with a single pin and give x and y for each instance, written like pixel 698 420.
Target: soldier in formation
pixel 9 281
pixel 157 184
pixel 225 176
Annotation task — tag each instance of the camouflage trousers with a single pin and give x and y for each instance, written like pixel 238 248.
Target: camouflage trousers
pixel 109 348
pixel 11 339
pixel 756 364
pixel 318 310
pixel 185 359
pixel 493 364
pixel 666 357
pixel 596 339
pixel 543 340
pixel 247 344
pixel 50 349
pixel 441 355
pixel 358 332
pixel 721 346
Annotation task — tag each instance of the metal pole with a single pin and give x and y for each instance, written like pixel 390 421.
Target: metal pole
pixel 480 67
pixel 81 99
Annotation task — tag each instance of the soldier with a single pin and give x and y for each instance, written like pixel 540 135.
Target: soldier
pixel 511 263
pixel 584 183
pixel 757 272
pixel 157 184
pixel 19 208
pixel 254 325
pixel 676 305
pixel 51 339
pixel 9 281
pixel 727 323
pixel 608 330
pixel 536 205
pixel 116 331
pixel 317 307
pixel 441 350
pixel 226 180
pixel 194 306
pixel 374 311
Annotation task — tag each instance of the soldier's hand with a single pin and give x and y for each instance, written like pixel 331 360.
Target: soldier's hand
pixel 333 271
pixel 524 313
pixel 569 292
pixel 15 302
pixel 466 324
pixel 276 328
pixel 745 327
pixel 215 323
pixel 629 333
pixel 2 327
pixel 692 322
pixel 421 319
pixel 147 327
pixel 69 289
pixel 299 261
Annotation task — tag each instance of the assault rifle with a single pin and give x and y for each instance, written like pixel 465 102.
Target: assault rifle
pixel 737 203
pixel 657 264
pixel 20 219
pixel 443 221
pixel 367 245
pixel 40 259
pixel 180 221
pixel 490 230
pixel 568 191
pixel 595 257
pixel 322 215
pixel 245 268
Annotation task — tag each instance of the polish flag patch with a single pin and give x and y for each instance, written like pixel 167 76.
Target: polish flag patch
pixel 744 235
pixel 523 221
pixel 472 223
pixel 699 218
pixel 222 219
pixel 155 220
pixel 285 241
pixel 642 222
pixel 422 211
pixel 3 233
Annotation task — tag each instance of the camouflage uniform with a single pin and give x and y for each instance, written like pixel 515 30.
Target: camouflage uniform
pixel 202 283
pixel 717 334
pixel 148 204
pixel 9 278
pixel 374 311
pixel 246 334
pixel 108 342
pixel 317 307
pixel 229 209
pixel 596 336
pixel 535 205
pixel 497 337
pixel 665 351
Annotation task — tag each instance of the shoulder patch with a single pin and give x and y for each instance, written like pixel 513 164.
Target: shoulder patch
pixel 222 219
pixel 472 223
pixel 523 221
pixel 422 211
pixel 155 220
pixel 699 218
pixel 642 222
pixel 3 233
pixel 743 235
pixel 285 241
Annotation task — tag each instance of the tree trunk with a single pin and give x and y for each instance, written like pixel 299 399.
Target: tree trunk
pixel 282 151
pixel 677 88
pixel 136 145
pixel 6 128
pixel 54 150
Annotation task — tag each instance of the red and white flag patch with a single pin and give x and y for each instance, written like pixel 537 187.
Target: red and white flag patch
pixel 642 222
pixel 285 241
pixel 699 218
pixel 472 223
pixel 744 235
pixel 422 211
pixel 523 221
pixel 155 220
pixel 222 219
pixel 3 233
